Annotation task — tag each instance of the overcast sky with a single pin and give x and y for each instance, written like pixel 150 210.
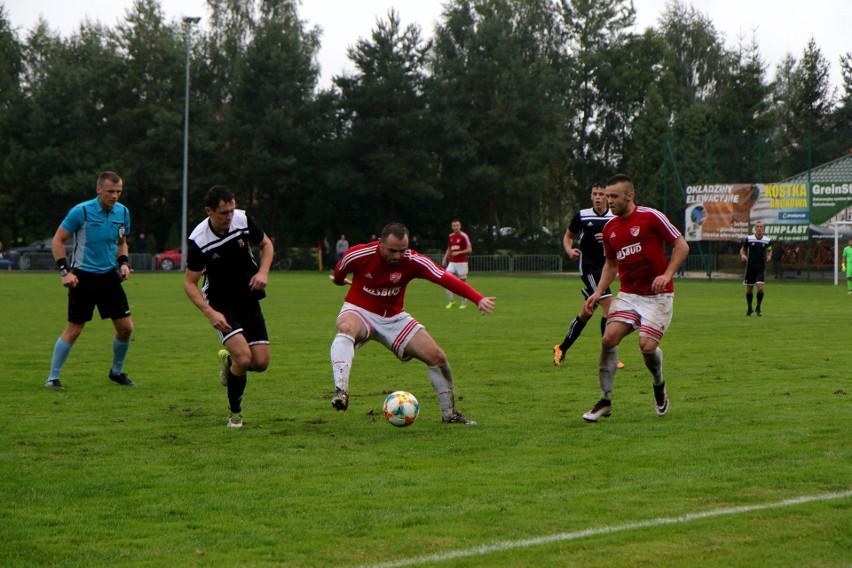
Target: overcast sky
pixel 780 27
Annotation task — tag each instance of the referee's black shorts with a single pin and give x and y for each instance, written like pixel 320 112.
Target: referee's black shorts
pixel 101 290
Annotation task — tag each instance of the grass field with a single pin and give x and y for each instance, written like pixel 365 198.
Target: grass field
pixel 752 466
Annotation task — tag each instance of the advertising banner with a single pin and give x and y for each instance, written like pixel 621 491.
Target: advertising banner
pixel 831 201
pixel 728 212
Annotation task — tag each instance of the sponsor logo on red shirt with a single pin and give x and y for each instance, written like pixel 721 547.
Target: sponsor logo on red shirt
pixel 629 249
pixel 383 292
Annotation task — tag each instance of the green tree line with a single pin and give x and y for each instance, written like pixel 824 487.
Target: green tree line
pixel 503 115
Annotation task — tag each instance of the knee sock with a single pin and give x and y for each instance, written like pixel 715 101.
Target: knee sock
pixel 342 355
pixel 449 295
pixel 442 381
pixel 60 354
pixel 574 331
pixel 119 353
pixel 749 296
pixel 654 362
pixel 607 365
pixel 759 299
pixel 236 388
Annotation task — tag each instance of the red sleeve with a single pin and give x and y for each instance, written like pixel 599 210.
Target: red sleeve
pixel 428 270
pixel 460 288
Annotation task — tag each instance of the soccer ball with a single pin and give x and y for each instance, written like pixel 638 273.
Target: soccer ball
pixel 401 408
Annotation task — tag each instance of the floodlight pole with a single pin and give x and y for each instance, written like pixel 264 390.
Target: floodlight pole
pixel 187 24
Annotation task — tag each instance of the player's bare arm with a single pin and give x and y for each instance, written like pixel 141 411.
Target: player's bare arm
pixel 680 251
pixel 267 253
pixel 190 286
pixel 69 279
pixel 122 250
pixel 568 244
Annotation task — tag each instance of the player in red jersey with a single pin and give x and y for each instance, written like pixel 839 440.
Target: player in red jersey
pixel 455 259
pixel 373 310
pixel 634 245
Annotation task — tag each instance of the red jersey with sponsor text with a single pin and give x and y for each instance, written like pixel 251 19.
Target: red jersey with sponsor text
pixel 380 287
pixel 636 243
pixel 458 242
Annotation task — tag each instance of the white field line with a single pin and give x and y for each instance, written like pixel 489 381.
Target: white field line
pixel 562 537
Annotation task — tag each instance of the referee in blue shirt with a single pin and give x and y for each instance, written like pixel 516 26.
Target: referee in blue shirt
pixel 93 276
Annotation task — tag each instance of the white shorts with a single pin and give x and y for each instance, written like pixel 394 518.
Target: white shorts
pixel 651 315
pixel 458 269
pixel 395 332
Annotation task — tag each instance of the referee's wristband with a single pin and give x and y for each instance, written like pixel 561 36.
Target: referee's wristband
pixel 123 259
pixel 62 266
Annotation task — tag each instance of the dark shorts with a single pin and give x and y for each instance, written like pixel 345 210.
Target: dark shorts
pixel 591 281
pixel 754 276
pixel 101 290
pixel 247 319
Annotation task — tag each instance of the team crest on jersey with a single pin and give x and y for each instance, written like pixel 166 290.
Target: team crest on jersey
pixel 242 243
pixel 634 231
pixel 395 277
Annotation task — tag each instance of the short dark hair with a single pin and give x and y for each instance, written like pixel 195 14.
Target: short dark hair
pixel 619 178
pixel 108 176
pixel 216 194
pixel 398 230
pixel 600 183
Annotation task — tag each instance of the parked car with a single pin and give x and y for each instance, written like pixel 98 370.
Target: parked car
pixel 167 260
pixel 37 255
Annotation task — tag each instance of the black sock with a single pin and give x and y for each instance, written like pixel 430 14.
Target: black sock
pixel 236 388
pixel 574 331
pixel 749 296
pixel 759 299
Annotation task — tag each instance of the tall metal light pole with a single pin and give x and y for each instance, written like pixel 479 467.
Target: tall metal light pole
pixel 187 24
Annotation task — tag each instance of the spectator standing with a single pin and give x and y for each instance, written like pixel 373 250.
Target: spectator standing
pixel 777 256
pixel 327 262
pixel 141 244
pixel 341 246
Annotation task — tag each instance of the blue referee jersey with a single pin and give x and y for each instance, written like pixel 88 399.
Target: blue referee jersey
pixel 96 235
